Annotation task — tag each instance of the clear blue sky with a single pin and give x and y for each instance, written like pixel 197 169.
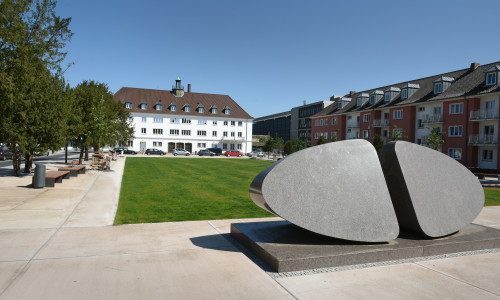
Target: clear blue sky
pixel 271 55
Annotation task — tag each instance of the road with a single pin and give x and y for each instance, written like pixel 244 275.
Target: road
pixel 56 156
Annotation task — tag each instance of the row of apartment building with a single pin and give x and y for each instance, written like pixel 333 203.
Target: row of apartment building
pixel 178 119
pixel 463 104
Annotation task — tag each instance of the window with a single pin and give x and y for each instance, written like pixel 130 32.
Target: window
pixel 233 123
pixel 240 134
pixel 366 118
pixel 224 133
pixel 224 146
pixel 202 145
pixel 438 88
pixel 333 135
pixel 158 106
pixel 227 111
pixel 359 101
pixel 488 155
pixel 456 108
pixel 421 109
pixel 187 108
pixel 128 105
pixel 491 78
pixel 131 119
pixel 386 116
pixel 387 97
pixel 186 121
pixel 130 144
pixel 213 110
pixel 157 119
pixel 398 114
pixel 202 122
pixel 316 136
pixel 186 132
pixel 144 106
pixel 214 133
pixel 372 99
pixel 455 131
pixel 366 134
pixel 240 123
pixel 174 121
pixel 143 130
pixel 349 117
pixel 232 133
pixel 157 131
pixel 157 144
pixel 173 107
pixel 144 119
pixel 404 94
pixel 201 109
pixel 455 153
pixel 174 131
pixel 321 122
pixel 316 123
pixel 419 141
pixel 239 146
pixel 202 133
pixel 214 122
pixel 225 123
pixel 419 123
pixel 334 121
pixel 325 121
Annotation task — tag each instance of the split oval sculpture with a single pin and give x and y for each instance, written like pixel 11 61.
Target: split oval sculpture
pixel 336 189
pixel 433 194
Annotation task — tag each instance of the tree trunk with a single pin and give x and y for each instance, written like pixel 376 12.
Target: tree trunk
pixel 16 162
pixel 80 159
pixel 86 153
pixel 28 162
pixel 66 153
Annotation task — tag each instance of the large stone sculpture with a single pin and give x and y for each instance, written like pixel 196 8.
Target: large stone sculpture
pixel 339 190
pixel 432 193
pixel 336 189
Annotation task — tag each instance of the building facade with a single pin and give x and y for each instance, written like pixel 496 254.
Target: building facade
pixel 463 105
pixel 167 120
pixel 272 125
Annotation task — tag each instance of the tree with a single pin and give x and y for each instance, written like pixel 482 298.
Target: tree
pixel 31 39
pixel 397 133
pixel 378 143
pixel 268 146
pixel 288 148
pixel 435 139
pixel 321 141
pixel 300 144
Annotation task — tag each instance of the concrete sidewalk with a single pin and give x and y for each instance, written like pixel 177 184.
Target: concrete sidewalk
pixel 59 243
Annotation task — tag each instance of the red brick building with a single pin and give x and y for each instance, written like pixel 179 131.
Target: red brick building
pixel 463 104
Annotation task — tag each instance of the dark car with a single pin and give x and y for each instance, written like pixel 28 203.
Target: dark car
pixel 125 150
pixel 233 153
pixel 206 152
pixel 5 153
pixel 217 151
pixel 153 151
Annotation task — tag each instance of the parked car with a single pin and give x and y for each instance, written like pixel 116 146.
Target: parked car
pixel 206 152
pixel 181 152
pixel 125 150
pixel 153 151
pixel 217 151
pixel 233 153
pixel 5 153
pixel 256 153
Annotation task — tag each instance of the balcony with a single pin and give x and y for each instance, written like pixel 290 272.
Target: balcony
pixel 432 119
pixel 353 125
pixel 483 114
pixel 380 122
pixel 232 138
pixel 483 140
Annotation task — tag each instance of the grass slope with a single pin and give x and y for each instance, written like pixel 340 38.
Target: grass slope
pixel 182 189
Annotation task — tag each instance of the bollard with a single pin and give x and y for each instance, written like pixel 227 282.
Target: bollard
pixel 39 177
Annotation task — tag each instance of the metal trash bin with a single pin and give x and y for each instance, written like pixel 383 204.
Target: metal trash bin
pixel 39 177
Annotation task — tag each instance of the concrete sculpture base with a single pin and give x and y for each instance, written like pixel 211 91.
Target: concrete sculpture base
pixel 286 247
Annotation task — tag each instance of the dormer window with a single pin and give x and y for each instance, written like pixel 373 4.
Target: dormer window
pixel 213 109
pixel 361 99
pixel 158 106
pixel 227 111
pixel 391 93
pixel 404 94
pixel 408 90
pixel 375 96
pixel 128 104
pixel 441 84
pixel 173 107
pixel 187 108
pixel 492 75
pixel 144 105
pixel 201 109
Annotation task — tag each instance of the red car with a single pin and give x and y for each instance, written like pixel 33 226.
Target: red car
pixel 233 153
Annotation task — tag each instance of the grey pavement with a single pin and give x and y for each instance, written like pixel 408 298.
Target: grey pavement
pixel 59 243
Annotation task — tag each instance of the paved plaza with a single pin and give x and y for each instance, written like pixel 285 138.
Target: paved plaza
pixel 59 243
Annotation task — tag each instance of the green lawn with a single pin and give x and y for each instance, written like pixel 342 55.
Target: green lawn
pixel 492 196
pixel 182 189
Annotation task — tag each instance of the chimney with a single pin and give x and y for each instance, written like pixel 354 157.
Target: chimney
pixel 304 102
pixel 473 66
pixel 351 94
pixel 189 87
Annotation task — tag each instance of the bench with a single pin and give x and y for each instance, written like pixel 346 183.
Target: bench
pixel 74 170
pixel 483 175
pixel 52 177
pixel 74 163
